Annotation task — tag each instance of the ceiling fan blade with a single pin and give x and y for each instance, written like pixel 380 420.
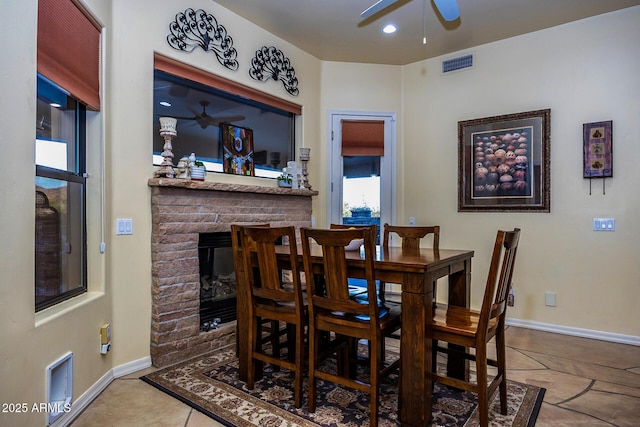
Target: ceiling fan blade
pixel 186 118
pixel 448 9
pixel 377 7
pixel 228 119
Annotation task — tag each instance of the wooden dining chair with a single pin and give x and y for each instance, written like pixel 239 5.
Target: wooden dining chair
pixel 463 327
pixel 333 310
pixel 274 299
pixel 410 237
pixel 272 332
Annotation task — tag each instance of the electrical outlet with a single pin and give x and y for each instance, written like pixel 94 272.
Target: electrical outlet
pixel 511 298
pixel 604 224
pixel 550 299
pixel 412 221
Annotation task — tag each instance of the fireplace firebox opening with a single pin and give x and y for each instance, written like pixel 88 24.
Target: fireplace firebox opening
pixel 217 280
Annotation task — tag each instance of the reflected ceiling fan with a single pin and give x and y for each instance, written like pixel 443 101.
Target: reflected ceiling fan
pixel 447 8
pixel 205 120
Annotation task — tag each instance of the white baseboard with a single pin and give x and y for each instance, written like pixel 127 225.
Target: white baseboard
pixel 94 391
pixel 131 367
pixel 576 332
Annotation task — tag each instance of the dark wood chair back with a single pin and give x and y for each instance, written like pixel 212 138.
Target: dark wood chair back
pixel 411 235
pixel 268 286
pixel 334 293
pixel 496 291
pixel 374 227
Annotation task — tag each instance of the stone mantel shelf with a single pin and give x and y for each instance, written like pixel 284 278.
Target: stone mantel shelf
pixel 220 186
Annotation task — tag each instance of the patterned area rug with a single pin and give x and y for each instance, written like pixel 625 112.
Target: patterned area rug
pixel 210 384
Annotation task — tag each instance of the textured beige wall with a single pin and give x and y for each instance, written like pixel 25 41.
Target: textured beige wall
pixel 584 72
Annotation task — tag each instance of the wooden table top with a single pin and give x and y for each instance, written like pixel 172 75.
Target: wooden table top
pixel 396 258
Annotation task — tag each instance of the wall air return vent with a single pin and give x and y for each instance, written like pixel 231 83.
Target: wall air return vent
pixel 456 64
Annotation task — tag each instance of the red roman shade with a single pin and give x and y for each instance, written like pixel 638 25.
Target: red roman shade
pixel 363 137
pixel 69 49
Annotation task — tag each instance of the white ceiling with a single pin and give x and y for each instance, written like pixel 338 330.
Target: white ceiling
pixel 332 30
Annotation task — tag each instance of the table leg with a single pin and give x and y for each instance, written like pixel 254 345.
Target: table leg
pixel 415 388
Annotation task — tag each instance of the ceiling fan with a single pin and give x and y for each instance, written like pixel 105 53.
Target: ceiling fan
pixel 447 8
pixel 205 120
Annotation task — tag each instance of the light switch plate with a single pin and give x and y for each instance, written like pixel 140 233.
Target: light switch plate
pixel 124 226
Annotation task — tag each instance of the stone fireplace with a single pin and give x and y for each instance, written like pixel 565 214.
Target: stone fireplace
pixel 181 210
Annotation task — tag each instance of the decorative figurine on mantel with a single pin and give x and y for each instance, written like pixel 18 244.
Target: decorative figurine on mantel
pixel 183 169
pixel 168 132
pixel 294 172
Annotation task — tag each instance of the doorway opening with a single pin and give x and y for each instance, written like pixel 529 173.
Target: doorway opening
pixel 362 174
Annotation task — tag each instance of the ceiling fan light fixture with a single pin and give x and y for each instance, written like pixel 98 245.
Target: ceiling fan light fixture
pixel 389 29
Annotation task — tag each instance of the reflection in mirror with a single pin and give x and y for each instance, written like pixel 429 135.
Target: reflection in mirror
pixel 201 111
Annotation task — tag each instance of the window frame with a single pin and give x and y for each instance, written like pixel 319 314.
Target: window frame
pixel 78 176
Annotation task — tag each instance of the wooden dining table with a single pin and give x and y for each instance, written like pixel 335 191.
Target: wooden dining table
pixel 417 270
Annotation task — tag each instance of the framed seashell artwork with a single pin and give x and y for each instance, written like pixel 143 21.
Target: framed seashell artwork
pixel 503 163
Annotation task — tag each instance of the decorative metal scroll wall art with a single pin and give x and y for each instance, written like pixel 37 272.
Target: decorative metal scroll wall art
pixel 270 62
pixel 199 28
pixel 597 149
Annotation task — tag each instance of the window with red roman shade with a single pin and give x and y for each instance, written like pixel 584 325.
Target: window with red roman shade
pixel 69 49
pixel 362 137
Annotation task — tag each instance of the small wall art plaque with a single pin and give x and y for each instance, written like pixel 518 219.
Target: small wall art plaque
pixel 598 149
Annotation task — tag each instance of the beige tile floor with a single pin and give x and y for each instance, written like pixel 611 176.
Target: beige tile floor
pixel 588 382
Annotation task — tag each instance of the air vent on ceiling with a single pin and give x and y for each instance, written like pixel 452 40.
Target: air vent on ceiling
pixel 455 64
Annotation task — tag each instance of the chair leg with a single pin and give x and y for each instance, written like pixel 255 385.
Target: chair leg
pixel 299 363
pixel 313 348
pixel 483 399
pixel 434 360
pixel 254 338
pixel 291 342
pixel 502 370
pixel 374 389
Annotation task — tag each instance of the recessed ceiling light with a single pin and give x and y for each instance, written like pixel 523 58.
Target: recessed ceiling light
pixel 389 29
pixel 165 104
pixel 55 105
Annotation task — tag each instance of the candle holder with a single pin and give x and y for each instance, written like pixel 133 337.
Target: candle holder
pixel 168 132
pixel 304 158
